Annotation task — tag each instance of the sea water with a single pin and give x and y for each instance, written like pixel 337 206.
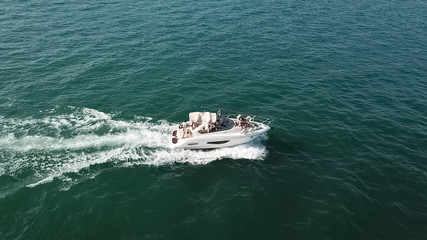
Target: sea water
pixel 90 93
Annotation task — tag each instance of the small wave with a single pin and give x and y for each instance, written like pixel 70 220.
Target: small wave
pixel 47 148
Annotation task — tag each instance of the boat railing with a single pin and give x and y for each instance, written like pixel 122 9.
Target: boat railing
pixel 264 120
pixel 259 119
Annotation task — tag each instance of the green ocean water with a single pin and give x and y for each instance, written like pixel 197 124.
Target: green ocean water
pixel 91 91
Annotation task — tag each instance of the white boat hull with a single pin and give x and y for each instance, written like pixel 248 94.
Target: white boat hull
pixel 221 139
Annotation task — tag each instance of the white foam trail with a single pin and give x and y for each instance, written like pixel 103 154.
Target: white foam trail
pixel 67 143
pixel 43 143
pixel 168 156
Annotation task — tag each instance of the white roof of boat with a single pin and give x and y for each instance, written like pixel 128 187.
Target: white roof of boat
pixel 199 117
pixel 195 116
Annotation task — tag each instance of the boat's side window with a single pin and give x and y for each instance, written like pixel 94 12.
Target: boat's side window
pixel 219 142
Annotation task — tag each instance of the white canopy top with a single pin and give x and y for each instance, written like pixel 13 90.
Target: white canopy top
pixel 195 117
pixel 202 120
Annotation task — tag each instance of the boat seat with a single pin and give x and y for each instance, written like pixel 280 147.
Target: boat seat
pixel 180 133
pixel 214 117
pixel 206 118
pixel 195 119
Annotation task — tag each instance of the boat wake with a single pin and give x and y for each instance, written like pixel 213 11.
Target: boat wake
pixel 67 145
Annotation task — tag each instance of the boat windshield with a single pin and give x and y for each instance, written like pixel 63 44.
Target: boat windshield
pixel 226 124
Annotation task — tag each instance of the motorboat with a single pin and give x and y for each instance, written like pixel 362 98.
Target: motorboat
pixel 206 130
